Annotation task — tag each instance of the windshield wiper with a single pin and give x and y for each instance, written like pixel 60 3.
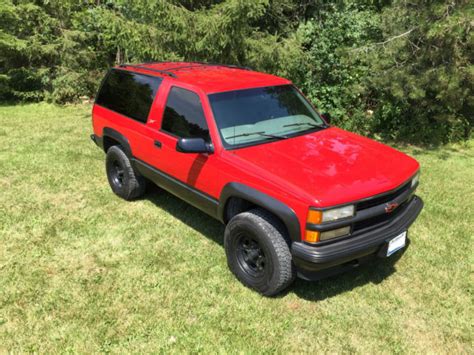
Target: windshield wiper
pixel 262 133
pixel 302 124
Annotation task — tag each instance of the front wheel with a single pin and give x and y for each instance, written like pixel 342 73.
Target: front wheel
pixel 257 252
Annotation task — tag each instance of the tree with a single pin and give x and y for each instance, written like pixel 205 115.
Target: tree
pixel 392 68
pixel 421 72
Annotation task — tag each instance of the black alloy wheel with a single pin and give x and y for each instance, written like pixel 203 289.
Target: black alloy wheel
pixel 251 256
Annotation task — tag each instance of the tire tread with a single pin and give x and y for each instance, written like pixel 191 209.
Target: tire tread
pixel 276 233
pixel 135 185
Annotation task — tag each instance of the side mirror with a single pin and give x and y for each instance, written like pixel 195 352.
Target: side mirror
pixel 193 145
pixel 327 117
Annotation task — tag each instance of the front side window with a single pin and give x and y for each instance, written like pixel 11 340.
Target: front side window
pixel 252 116
pixel 130 94
pixel 183 116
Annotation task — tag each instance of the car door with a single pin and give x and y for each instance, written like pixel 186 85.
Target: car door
pixel 183 117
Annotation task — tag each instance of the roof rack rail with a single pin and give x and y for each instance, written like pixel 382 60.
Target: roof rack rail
pixel 165 72
pixel 212 64
pixel 229 66
pixel 193 64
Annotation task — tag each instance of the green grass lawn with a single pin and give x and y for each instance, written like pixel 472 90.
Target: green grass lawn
pixel 82 270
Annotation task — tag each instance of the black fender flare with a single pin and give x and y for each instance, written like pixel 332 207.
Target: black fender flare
pixel 119 137
pixel 278 208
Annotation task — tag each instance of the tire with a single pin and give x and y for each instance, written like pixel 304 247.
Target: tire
pixel 123 180
pixel 258 253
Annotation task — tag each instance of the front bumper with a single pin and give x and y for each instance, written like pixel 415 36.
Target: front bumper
pixel 312 261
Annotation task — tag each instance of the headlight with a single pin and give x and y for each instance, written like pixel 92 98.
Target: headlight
pixel 338 213
pixel 334 214
pixel 335 233
pixel 415 179
pixel 315 236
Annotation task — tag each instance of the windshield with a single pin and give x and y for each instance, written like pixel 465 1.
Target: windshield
pixel 251 116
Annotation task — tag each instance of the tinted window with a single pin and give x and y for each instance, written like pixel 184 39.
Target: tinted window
pixel 252 116
pixel 184 116
pixel 128 93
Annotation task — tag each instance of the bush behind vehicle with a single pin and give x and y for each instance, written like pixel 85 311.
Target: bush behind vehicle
pixel 408 63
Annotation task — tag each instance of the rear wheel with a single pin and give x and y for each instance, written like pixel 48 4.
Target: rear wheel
pixel 123 180
pixel 258 253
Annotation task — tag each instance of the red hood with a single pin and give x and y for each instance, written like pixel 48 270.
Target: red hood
pixel 332 166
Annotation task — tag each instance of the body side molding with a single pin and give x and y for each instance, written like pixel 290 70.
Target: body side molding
pixel 195 197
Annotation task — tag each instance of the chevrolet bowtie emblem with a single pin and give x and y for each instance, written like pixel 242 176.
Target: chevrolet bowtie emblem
pixel 390 207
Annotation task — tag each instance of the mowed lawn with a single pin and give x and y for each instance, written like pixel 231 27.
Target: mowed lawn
pixel 84 271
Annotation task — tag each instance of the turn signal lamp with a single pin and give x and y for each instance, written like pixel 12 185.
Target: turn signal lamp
pixel 314 217
pixel 311 236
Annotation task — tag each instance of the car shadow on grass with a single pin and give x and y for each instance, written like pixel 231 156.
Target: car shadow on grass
pixel 189 215
pixel 374 272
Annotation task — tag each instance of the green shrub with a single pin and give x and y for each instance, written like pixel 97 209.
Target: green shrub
pixel 399 70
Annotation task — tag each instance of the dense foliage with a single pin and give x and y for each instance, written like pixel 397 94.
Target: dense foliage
pixel 397 69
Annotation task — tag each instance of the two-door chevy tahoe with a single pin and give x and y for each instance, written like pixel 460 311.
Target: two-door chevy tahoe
pixel 298 196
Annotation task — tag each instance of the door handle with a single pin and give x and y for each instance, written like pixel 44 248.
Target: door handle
pixel 157 144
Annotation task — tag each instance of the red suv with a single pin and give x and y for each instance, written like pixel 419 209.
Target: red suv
pixel 297 196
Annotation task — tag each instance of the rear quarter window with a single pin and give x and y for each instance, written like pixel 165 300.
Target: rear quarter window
pixel 130 94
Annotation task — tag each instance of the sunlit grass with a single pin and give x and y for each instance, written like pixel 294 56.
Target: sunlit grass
pixel 82 270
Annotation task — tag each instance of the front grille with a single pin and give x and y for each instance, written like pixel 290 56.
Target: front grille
pixel 377 221
pixel 379 200
pixel 377 217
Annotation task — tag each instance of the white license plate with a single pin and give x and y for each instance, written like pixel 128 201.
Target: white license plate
pixel 397 243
